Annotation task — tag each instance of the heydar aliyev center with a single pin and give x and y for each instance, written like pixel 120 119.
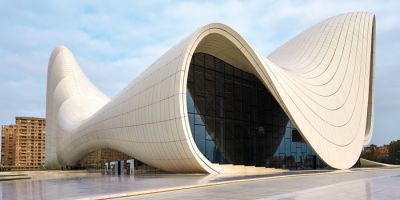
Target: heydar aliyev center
pixel 213 100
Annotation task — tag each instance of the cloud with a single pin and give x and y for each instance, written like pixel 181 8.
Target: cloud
pixel 115 42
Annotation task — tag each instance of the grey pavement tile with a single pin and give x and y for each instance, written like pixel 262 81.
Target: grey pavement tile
pixel 360 184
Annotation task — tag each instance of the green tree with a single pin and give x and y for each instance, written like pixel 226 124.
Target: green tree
pixel 394 152
pixel 372 154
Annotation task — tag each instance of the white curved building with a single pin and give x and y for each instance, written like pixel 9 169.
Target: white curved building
pixel 212 99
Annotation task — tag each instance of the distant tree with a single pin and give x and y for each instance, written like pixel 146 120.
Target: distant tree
pixel 394 152
pixel 372 154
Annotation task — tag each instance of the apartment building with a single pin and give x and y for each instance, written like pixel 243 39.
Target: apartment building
pixel 23 144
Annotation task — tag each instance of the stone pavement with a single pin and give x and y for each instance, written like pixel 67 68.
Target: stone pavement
pixel 347 184
pixel 377 184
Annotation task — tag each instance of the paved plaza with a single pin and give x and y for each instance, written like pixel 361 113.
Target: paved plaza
pixel 379 184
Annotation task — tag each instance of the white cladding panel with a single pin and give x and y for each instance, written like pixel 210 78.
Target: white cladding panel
pixel 323 80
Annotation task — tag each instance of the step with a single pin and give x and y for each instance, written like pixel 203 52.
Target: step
pixel 229 168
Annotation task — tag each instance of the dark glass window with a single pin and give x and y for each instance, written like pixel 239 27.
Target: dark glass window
pixel 234 119
pixel 296 137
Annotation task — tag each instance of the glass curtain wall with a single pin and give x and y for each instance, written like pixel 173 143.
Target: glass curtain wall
pixel 234 119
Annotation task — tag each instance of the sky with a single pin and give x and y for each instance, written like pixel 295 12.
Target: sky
pixel 114 41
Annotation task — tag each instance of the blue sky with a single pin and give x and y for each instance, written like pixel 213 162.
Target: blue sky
pixel 115 41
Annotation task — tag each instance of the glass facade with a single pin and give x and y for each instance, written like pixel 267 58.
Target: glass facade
pixel 234 119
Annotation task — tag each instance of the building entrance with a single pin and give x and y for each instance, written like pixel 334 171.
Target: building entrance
pixel 234 119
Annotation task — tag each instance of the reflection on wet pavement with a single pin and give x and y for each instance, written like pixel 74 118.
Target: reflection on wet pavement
pixel 355 184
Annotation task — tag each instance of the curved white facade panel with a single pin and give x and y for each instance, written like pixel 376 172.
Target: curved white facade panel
pixel 322 79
